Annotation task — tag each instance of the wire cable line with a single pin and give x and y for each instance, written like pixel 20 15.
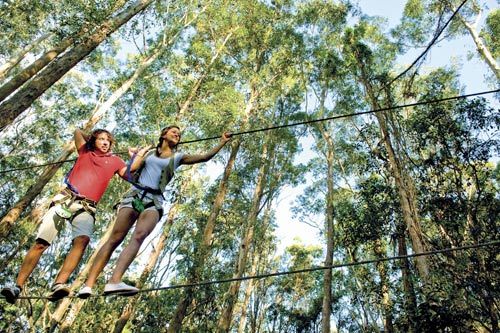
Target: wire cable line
pixel 321 268
pixel 432 42
pixel 37 165
pixel 305 270
pixel 354 114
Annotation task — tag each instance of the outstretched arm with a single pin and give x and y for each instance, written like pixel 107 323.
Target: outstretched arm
pixel 80 138
pixel 193 159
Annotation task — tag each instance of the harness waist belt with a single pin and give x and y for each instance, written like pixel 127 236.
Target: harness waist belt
pixel 78 197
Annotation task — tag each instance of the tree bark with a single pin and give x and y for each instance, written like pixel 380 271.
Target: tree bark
pixel 12 62
pixel 384 288
pixel 248 292
pixel 404 183
pixel 407 200
pixel 201 254
pixel 329 228
pixel 26 95
pixel 42 61
pixel 196 87
pixel 329 216
pixel 17 81
pixel 232 294
pixel 481 47
pixel 13 214
pixel 410 300
pixel 35 215
pixel 251 284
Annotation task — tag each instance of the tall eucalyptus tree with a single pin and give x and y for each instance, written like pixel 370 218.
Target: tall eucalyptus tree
pixel 25 96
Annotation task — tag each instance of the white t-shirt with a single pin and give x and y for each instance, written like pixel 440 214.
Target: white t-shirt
pixel 151 173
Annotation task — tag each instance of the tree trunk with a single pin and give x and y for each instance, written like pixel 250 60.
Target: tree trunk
pixel 329 217
pixel 329 226
pixel 384 289
pixel 30 71
pixel 407 199
pixel 35 215
pixel 34 190
pixel 362 303
pixel 410 300
pixel 404 183
pixel 201 254
pixel 17 81
pixel 25 96
pixel 248 292
pixel 12 62
pixel 196 87
pixel 253 271
pixel 231 295
pixel 13 214
pixel 482 49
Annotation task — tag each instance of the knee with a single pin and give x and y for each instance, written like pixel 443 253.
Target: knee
pixel 115 240
pixel 140 235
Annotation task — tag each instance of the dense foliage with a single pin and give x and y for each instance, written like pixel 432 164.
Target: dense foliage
pixel 386 184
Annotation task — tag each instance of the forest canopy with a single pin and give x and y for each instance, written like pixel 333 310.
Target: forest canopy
pixel 350 130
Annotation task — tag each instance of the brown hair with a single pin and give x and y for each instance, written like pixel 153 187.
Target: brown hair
pixel 95 134
pixel 163 132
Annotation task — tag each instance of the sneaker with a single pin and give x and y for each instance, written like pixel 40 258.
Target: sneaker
pixel 121 288
pixel 85 292
pixel 11 293
pixel 58 291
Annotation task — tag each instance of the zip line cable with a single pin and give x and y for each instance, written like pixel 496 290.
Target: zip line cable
pixel 305 270
pixel 423 54
pixel 38 165
pixel 349 115
pixel 320 268
pixel 349 264
pixel 354 114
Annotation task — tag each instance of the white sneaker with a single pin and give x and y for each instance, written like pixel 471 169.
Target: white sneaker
pixel 121 288
pixel 85 292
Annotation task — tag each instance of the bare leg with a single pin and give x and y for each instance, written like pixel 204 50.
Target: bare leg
pixel 145 224
pixel 31 260
pixel 124 221
pixel 74 256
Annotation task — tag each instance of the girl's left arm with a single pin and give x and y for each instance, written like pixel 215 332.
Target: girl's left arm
pixel 198 158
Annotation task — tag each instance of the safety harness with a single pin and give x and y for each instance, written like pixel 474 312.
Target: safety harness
pixel 140 191
pixel 63 208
